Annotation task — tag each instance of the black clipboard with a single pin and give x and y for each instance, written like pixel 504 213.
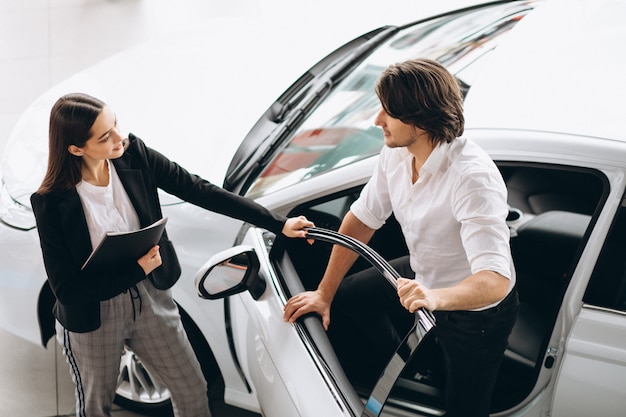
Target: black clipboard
pixel 123 247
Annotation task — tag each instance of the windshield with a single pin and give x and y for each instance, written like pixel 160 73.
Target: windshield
pixel 341 129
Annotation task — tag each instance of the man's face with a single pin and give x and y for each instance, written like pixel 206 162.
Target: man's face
pixel 397 133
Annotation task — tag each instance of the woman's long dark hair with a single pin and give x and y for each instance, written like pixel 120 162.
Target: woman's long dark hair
pixel 71 119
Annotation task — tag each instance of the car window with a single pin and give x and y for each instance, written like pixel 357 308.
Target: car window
pixel 341 129
pixel 607 287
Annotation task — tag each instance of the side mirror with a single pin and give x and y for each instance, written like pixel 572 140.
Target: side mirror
pixel 230 272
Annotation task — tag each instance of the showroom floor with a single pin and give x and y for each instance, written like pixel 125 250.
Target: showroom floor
pixel 28 377
pixel 45 41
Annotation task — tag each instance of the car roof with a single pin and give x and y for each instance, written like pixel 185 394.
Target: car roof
pixel 561 70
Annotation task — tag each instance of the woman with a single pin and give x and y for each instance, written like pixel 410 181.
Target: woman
pixel 97 182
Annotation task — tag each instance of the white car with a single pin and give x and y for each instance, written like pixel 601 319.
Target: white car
pixel 544 85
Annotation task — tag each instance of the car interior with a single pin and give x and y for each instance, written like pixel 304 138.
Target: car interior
pixel 551 211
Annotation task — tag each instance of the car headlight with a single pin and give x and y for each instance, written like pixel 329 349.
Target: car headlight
pixel 13 213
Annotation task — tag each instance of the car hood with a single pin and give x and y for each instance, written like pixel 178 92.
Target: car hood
pixel 538 65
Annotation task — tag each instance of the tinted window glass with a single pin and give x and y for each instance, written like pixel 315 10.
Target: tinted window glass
pixel 607 287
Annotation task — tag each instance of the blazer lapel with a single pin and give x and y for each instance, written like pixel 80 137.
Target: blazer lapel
pixel 135 186
pixel 74 224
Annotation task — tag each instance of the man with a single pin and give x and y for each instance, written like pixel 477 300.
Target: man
pixel 450 200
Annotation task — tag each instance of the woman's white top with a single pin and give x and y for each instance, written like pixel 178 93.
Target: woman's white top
pixel 107 208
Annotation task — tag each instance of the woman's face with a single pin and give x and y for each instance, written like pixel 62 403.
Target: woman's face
pixel 105 141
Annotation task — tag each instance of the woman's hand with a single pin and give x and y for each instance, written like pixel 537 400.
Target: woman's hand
pixel 151 260
pixel 296 226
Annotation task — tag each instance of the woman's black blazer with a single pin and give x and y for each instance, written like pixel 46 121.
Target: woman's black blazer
pixel 65 241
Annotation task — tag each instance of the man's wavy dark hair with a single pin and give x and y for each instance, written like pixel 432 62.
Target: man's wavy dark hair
pixel 423 93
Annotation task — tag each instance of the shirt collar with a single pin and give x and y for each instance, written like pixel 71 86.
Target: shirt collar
pixel 435 159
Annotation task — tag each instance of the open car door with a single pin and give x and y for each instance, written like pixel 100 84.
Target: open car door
pixel 239 271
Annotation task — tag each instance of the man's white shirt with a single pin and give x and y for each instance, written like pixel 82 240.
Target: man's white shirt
pixel 453 218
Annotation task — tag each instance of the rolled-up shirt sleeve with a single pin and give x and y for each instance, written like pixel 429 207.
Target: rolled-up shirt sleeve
pixel 480 208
